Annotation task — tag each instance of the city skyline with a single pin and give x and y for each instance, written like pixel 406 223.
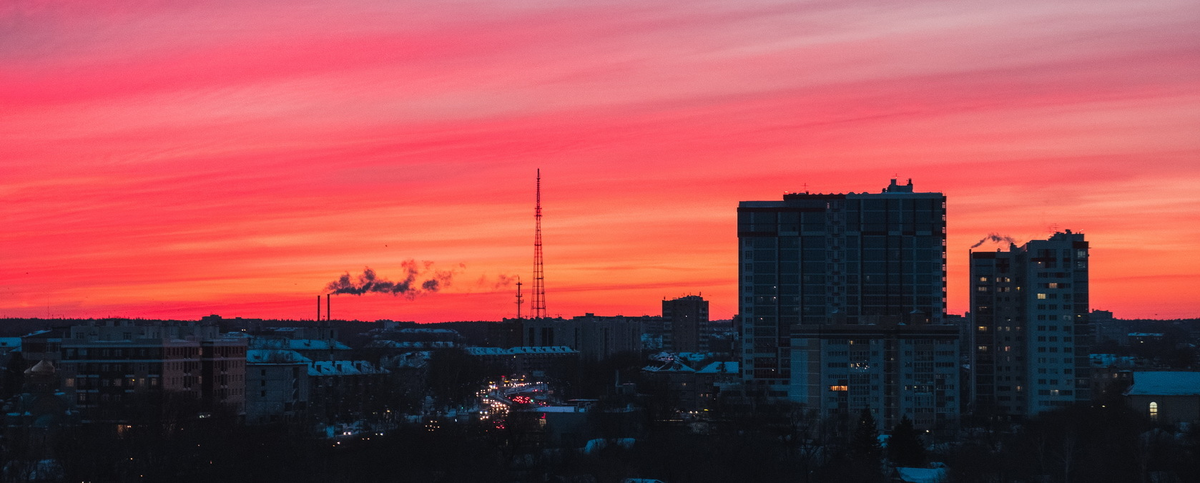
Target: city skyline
pixel 165 161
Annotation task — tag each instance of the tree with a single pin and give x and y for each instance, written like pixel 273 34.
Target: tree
pixel 864 443
pixel 905 447
pixel 862 460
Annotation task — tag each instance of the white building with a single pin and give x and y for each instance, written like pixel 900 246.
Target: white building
pixel 1029 312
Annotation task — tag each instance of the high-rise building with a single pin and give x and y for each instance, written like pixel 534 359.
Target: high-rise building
pixel 894 370
pixel 852 258
pixel 1029 314
pixel 685 324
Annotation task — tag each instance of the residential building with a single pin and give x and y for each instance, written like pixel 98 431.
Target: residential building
pixel 313 349
pixel 895 370
pixel 1029 309
pixel 346 390
pixel 685 324
pixel 595 337
pixel 851 258
pixel 532 361
pixel 111 368
pixel 276 386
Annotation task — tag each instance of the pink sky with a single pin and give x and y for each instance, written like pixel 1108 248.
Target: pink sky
pixel 229 157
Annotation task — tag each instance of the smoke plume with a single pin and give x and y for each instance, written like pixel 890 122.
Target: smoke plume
pixel 996 237
pixel 502 281
pixel 419 278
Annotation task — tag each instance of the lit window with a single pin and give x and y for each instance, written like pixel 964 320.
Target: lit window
pixel 1153 411
pixel 1041 296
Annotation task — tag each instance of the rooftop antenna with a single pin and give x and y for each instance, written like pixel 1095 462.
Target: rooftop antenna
pixel 539 284
pixel 518 298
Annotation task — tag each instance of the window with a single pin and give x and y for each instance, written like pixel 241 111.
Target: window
pixel 1153 411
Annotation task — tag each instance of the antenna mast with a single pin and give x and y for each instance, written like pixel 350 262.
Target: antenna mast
pixel 518 298
pixel 539 284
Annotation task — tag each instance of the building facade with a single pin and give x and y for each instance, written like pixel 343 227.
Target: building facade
pixel 1166 397
pixel 853 258
pixel 685 324
pixel 894 370
pixel 113 368
pixel 594 337
pixel 276 386
pixel 1031 337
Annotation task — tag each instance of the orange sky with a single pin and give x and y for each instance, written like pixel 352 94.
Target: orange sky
pixel 232 157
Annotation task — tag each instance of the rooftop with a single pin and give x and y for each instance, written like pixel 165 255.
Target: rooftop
pixel 1165 383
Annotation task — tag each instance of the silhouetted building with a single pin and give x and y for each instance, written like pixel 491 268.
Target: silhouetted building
pixel 1105 327
pixel 685 324
pixel 504 334
pixel 595 337
pixel 345 390
pixel 526 360
pixel 111 368
pixel 1029 310
pixel 852 258
pixel 895 370
pixel 276 386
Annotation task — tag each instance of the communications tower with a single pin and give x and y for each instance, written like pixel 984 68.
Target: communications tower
pixel 539 283
pixel 518 298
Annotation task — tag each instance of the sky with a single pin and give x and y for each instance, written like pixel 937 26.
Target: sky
pixel 165 159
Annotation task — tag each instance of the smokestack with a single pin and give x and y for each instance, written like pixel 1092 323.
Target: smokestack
pixel 318 308
pixel 328 307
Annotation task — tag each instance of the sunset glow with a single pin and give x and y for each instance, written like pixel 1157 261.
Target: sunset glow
pixel 179 159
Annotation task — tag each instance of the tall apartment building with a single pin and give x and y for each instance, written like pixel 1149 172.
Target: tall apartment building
pixel 1029 314
pixel 853 258
pixel 685 324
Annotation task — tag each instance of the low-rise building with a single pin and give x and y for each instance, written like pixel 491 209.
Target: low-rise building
pixel 528 360
pixel 345 390
pixel 595 337
pixel 112 369
pixel 1166 396
pixel 276 386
